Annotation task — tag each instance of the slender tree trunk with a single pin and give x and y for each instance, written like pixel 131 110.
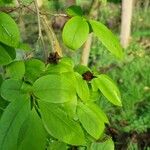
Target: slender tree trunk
pixel 126 22
pixel 71 2
pixel 87 46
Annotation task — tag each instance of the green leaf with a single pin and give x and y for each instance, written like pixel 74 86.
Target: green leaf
pixel 32 134
pixel 56 145
pixel 60 126
pixel 1 79
pixel 3 105
pixel 82 88
pixel 6 55
pixel 10 50
pixel 9 33
pixel 107 38
pixel 107 145
pixel 11 121
pixel 55 88
pixel 74 11
pixel 34 69
pixel 75 32
pixel 24 47
pixel 15 70
pixel 98 111
pixel 7 1
pixel 107 86
pixel 70 107
pixel 11 90
pixel 92 123
pixel 81 69
pixel 65 65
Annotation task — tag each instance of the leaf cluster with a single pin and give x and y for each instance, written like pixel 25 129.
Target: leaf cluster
pixel 54 102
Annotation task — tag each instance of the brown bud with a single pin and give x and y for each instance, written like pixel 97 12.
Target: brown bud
pixel 88 76
pixel 53 58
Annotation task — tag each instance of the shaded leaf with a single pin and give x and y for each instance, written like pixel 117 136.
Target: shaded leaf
pixel 6 55
pixel 32 134
pixel 33 69
pixel 74 11
pixel 10 123
pixel 11 90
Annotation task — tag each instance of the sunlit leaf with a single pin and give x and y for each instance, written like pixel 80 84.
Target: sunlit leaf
pixel 9 32
pixel 107 86
pixel 75 32
pixel 55 88
pixel 60 126
pixel 92 123
pixel 109 40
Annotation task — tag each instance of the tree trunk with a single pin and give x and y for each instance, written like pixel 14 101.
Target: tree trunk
pixel 87 46
pixel 70 2
pixel 126 22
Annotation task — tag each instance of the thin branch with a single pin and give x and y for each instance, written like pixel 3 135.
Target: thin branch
pixel 40 37
pixel 52 36
pixel 54 15
pixel 38 18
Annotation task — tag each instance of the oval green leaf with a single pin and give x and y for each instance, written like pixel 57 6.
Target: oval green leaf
pixel 60 126
pixel 107 86
pixel 33 69
pixel 107 145
pixel 75 32
pixel 55 88
pixel 11 121
pixel 9 32
pixel 65 65
pixel 74 11
pixel 32 134
pixel 56 145
pixel 15 70
pixel 93 124
pixel 82 88
pixel 6 55
pixel 12 90
pixel 108 39
pixel 98 111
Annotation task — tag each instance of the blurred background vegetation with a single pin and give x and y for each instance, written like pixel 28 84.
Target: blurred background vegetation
pixel 129 125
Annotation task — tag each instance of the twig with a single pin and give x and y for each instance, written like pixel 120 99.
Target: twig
pixel 55 15
pixel 52 37
pixel 40 37
pixel 38 18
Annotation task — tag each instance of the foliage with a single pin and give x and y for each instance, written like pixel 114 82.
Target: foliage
pixel 52 101
pixel 132 77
